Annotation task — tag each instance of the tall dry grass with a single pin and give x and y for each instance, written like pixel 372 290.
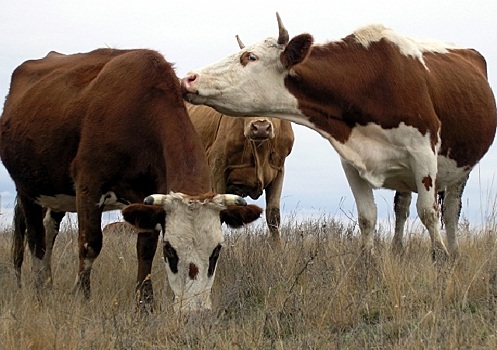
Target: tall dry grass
pixel 315 293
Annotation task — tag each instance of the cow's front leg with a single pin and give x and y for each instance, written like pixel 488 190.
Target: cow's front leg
pixel 273 216
pixel 366 207
pixel 146 246
pixel 89 239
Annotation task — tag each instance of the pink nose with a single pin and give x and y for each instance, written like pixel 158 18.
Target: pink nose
pixel 188 83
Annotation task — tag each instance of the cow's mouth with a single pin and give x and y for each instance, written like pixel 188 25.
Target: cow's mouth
pixel 259 139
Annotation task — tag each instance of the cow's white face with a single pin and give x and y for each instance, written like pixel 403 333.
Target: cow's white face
pixel 192 243
pixel 249 82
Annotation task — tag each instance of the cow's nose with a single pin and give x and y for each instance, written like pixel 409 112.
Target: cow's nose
pixel 192 271
pixel 188 83
pixel 261 129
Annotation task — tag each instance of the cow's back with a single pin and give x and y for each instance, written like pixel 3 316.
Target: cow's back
pixel 116 114
pixel 42 117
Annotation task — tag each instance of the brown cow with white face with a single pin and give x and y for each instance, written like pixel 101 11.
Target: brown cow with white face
pixel 402 114
pixel 96 131
pixel 246 156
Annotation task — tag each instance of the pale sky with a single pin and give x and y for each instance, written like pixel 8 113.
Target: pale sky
pixel 192 34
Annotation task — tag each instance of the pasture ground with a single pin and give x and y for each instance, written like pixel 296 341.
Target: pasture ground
pixel 315 293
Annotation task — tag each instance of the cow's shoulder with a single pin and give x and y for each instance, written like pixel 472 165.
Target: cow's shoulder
pixel 206 121
pixel 285 136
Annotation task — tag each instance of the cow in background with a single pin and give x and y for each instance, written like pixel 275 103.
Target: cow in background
pixel 97 131
pixel 246 156
pixel 118 228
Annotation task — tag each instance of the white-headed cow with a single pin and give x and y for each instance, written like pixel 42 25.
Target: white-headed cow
pixel 406 115
pixel 96 131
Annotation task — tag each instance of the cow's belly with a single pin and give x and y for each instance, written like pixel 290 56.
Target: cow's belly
pixel 67 203
pixel 387 158
pixel 448 173
pixel 59 202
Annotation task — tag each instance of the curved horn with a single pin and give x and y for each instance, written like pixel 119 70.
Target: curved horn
pixel 155 199
pixel 283 37
pixel 240 42
pixel 229 200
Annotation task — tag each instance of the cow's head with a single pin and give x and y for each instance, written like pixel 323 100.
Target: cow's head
pixel 192 239
pixel 252 81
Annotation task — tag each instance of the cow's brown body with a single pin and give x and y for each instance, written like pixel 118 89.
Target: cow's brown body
pixel 244 159
pixel 91 132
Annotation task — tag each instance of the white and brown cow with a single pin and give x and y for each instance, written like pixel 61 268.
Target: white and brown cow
pixel 96 131
pixel 246 156
pixel 402 114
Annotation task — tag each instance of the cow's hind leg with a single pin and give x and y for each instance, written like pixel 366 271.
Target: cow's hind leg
pixel 51 223
pixel 402 202
pixel 35 234
pixel 451 212
pixel 18 240
pixel 427 205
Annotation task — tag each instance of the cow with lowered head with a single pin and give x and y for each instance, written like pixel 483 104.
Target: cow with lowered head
pixel 246 156
pixel 97 131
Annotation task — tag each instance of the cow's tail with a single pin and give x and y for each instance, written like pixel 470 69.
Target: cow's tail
pixel 441 197
pixel 18 240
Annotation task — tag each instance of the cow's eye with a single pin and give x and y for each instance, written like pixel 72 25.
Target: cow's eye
pixel 247 57
pixel 213 260
pixel 171 257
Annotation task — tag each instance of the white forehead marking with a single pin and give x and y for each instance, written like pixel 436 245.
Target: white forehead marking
pixel 407 46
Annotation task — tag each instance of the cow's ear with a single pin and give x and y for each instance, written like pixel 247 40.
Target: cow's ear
pixel 237 216
pixel 145 217
pixel 297 50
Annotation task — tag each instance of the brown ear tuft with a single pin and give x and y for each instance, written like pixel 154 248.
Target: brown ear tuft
pixel 297 50
pixel 239 215
pixel 144 216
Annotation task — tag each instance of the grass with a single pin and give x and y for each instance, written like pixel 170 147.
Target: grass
pixel 315 293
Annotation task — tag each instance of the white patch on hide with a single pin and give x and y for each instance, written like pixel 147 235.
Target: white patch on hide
pixel 407 46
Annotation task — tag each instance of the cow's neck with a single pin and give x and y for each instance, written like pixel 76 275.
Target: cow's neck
pixel 190 173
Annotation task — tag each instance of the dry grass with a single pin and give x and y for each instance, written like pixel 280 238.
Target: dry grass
pixel 316 293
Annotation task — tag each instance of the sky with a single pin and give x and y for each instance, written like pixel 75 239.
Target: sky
pixel 192 34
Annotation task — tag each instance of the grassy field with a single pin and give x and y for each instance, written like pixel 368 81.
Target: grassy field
pixel 316 293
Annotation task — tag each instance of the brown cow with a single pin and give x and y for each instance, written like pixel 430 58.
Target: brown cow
pixel 95 131
pixel 118 228
pixel 246 156
pixel 402 114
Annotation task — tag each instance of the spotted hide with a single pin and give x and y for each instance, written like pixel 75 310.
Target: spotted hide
pixel 403 114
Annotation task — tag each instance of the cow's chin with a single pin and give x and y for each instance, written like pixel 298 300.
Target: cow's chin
pixel 194 98
pixel 243 191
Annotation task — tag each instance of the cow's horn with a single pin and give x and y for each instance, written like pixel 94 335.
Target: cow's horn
pixel 155 199
pixel 283 37
pixel 240 42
